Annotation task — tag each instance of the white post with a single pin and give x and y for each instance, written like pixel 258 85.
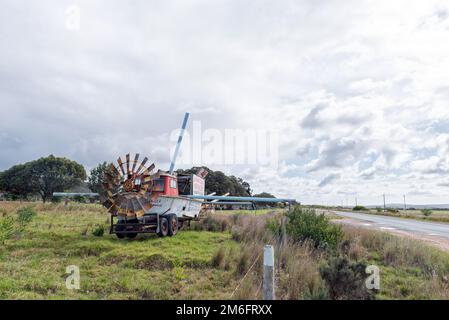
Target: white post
pixel 268 273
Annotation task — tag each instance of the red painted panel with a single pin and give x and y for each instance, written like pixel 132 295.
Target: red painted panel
pixel 171 186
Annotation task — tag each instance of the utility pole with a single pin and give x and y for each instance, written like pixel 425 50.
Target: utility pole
pixel 405 204
pixel 385 204
pixel 356 203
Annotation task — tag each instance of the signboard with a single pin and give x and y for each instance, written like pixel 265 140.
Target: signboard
pixel 198 185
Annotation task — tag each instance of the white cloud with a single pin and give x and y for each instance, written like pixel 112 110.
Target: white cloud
pixel 357 89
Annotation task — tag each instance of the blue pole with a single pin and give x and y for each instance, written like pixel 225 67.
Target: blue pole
pixel 181 134
pixel 233 198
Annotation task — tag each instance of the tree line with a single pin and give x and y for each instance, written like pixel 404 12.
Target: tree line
pixel 50 174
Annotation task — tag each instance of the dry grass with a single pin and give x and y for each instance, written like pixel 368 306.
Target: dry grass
pixel 225 263
pixel 409 269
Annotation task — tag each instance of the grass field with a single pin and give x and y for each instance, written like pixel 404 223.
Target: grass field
pixel 33 263
pixel 196 263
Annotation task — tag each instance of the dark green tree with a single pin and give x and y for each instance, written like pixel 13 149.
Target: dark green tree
pixel 267 195
pixel 217 181
pixel 264 195
pixel 97 177
pixel 43 176
pixel 16 182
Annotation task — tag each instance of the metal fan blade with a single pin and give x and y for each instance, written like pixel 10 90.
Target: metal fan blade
pixel 110 177
pixel 144 188
pixel 136 158
pixel 136 205
pixel 107 185
pixel 142 165
pixel 113 210
pixel 129 208
pixel 120 163
pixel 147 180
pixel 127 164
pixel 114 170
pixel 148 170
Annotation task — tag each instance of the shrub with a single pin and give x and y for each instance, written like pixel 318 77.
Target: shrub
pixel 56 199
pixel 346 279
pixel 251 229
pixel 426 212
pixel 274 226
pixel 300 277
pixel 218 258
pixel 210 223
pixel 307 225
pixel 379 210
pixel 6 228
pixel 359 208
pixel 79 199
pixel 98 231
pixel 392 210
pixel 25 215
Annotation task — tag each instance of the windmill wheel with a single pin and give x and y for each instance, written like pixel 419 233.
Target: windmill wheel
pixel 126 187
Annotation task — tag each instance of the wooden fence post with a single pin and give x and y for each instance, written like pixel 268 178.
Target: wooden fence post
pixel 268 273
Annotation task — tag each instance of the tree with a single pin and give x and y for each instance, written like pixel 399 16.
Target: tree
pixel 217 181
pixel 15 181
pixel 264 195
pixel 267 195
pixel 97 177
pixel 43 176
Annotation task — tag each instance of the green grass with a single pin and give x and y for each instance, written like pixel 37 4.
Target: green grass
pixel 188 266
pixel 33 263
pixel 409 269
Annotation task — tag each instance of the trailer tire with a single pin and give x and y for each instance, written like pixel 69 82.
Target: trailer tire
pixel 132 235
pixel 173 225
pixel 163 227
pixel 118 228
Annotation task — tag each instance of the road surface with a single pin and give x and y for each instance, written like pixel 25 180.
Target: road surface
pixel 434 232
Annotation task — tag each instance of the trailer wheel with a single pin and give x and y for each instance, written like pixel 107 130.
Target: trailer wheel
pixel 173 224
pixel 118 230
pixel 132 235
pixel 163 227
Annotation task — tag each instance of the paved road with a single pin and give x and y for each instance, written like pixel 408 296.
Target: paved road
pixel 399 224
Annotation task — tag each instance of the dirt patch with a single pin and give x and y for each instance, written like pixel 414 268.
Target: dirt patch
pixel 154 262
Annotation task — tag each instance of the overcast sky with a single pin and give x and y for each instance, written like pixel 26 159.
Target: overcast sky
pixel 358 90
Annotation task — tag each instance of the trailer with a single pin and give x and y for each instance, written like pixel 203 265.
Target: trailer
pixel 141 200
